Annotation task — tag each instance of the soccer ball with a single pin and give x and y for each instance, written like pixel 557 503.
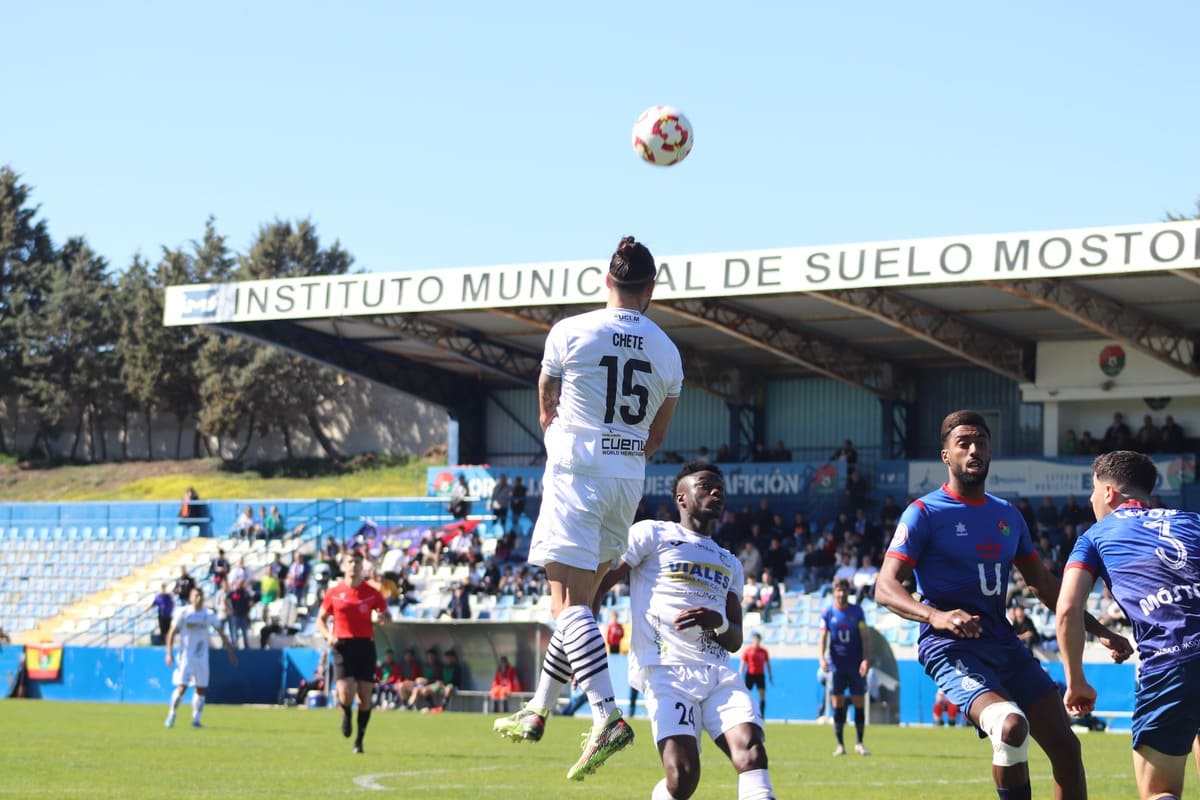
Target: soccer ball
pixel 662 136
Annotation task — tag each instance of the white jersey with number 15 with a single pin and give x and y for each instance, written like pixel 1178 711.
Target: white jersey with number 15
pixel 617 367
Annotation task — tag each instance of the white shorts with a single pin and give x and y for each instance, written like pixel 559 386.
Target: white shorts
pixel 683 700
pixel 584 520
pixel 191 672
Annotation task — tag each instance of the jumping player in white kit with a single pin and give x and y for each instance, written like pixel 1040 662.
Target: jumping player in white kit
pixel 192 624
pixel 610 381
pixel 688 590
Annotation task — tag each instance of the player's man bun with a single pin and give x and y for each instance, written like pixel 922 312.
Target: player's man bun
pixel 632 265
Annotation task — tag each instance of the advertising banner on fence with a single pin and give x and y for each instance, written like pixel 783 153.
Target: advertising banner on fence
pixel 1039 477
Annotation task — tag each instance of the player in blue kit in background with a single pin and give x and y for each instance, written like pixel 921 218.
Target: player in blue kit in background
pixel 1150 559
pixel 845 646
pixel 960 544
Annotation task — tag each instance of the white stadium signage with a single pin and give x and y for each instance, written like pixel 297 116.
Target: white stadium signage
pixel 1082 252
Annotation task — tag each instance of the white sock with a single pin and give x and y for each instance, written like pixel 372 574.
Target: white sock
pixel 755 784
pixel 556 673
pixel 660 791
pixel 584 645
pixel 175 698
pixel 197 707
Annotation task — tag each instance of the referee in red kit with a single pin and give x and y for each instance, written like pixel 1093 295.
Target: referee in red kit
pixel 352 640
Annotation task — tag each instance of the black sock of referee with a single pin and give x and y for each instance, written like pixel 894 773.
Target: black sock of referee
pixel 346 721
pixel 363 718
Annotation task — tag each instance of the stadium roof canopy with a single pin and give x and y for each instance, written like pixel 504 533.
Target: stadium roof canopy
pixel 870 315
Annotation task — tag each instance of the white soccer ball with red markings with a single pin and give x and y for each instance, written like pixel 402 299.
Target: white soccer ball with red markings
pixel 662 136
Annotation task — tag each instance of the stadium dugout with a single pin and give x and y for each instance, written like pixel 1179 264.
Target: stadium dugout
pixel 1072 323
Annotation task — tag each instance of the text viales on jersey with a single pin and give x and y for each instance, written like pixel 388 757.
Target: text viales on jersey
pixel 968 259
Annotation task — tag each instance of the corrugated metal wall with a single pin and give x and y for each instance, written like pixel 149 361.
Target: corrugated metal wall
pixel 939 392
pixel 813 416
pixel 701 419
pixel 507 442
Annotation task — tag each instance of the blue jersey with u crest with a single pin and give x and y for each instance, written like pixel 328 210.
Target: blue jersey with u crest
pixel 961 551
pixel 845 626
pixel 1150 559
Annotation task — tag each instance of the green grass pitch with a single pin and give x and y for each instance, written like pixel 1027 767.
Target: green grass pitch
pixel 92 750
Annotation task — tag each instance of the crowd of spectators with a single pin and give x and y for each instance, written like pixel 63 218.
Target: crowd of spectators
pixel 1149 438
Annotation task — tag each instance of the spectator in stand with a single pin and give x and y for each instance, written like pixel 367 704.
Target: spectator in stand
pixel 459 606
pixel 864 578
pixel 1047 518
pixel 848 454
pixel 801 530
pixel 760 454
pixel 781 453
pixel 751 558
pixel 856 490
pixel 846 567
pixel 459 551
pixel 241 573
pixel 889 513
pixel 332 551
pixel 491 582
pixel 770 596
pixel 238 602
pixel 703 456
pixel 504 683
pixel 749 594
pixel 1025 508
pixel 1172 436
pixel 432 550
pixel 298 576
pixel 272 525
pixel 805 566
pixel 269 589
pixel 190 508
pixel 245 528
pixel 218 569
pixel 1071 513
pixel 1070 445
pixel 509 584
pixel 1087 445
pixel 278 569
pixel 516 505
pixel 460 503
pixel 1023 627
pixel 724 454
pixel 1117 433
pixel 776 559
pixel 183 586
pixel 1149 437
pixel 944 712
pixel 501 501
pixel 164 605
pixel 764 518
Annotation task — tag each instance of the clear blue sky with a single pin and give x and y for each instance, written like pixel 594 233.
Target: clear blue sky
pixel 462 134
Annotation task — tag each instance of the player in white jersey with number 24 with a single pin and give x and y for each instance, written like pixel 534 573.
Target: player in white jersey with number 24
pixel 609 385
pixel 688 590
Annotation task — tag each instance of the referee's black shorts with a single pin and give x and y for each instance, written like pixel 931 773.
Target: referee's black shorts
pixel 756 681
pixel 354 659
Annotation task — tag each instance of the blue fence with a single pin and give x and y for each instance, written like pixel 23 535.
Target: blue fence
pixel 140 675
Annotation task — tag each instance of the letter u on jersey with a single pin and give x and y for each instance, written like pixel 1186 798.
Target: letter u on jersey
pixel 989 591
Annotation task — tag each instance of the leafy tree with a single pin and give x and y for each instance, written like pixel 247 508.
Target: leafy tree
pixel 249 388
pixel 67 347
pixel 26 253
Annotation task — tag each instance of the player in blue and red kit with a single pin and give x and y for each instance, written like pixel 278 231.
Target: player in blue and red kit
pixel 960 544
pixel 1150 559
pixel 844 646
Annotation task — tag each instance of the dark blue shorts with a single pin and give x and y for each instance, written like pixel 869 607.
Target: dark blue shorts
pixel 847 680
pixel 1166 709
pixel 965 670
